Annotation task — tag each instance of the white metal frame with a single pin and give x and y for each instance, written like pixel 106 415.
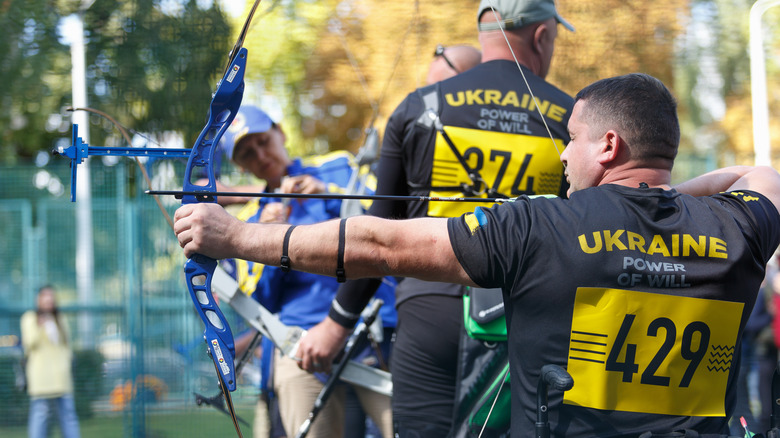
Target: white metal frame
pixel 758 88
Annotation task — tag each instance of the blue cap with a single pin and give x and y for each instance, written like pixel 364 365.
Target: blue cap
pixel 249 120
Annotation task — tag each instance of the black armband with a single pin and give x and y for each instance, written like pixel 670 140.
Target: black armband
pixel 341 276
pixel 285 261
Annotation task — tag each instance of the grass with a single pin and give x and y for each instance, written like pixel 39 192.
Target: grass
pixel 196 422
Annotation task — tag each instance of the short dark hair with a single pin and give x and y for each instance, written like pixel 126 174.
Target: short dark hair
pixel 640 108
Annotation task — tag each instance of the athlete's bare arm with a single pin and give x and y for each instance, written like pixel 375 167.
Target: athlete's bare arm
pixel 374 247
pixel 762 179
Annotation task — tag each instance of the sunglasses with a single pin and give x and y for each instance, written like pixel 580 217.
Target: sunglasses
pixel 440 52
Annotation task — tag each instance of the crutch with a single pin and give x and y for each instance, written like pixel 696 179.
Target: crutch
pixel 557 378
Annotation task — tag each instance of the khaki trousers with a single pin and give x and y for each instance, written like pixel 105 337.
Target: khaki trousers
pixel 297 390
pixel 262 426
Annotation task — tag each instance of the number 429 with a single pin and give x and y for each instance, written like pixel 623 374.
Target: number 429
pixel 629 367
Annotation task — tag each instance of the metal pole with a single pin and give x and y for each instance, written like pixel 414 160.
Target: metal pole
pixel 758 91
pixel 85 264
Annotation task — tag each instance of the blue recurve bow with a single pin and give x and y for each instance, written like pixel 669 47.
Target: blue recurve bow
pixel 199 269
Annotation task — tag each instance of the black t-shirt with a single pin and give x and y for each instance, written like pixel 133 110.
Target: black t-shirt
pixel 493 122
pixel 641 294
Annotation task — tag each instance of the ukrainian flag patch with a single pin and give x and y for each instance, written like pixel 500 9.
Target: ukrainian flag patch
pixel 475 220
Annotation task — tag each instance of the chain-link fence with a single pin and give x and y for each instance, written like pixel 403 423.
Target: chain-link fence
pixel 138 341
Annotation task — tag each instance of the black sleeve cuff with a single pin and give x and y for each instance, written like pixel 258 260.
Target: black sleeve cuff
pixel 351 299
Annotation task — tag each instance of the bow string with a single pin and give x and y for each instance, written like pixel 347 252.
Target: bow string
pixel 555 145
pixel 525 80
pixel 199 269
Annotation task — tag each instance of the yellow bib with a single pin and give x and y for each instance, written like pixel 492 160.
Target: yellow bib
pixel 649 352
pixel 512 164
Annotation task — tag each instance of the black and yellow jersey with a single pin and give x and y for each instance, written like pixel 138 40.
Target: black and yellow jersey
pixel 495 126
pixel 640 293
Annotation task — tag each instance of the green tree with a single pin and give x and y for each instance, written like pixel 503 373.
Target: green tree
pixel 155 68
pixel 714 80
pixel 34 77
pixel 152 65
pixel 733 36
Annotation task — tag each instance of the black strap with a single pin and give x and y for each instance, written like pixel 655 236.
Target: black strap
pixel 430 97
pixel 341 276
pixel 285 261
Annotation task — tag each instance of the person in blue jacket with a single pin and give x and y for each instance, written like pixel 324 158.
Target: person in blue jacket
pixel 256 143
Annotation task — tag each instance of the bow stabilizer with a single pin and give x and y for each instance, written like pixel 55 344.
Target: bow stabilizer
pixel 79 150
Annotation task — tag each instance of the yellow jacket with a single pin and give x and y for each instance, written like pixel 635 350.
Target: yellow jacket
pixel 48 363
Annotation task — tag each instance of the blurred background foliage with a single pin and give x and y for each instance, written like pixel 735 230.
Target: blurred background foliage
pixel 151 67
pixel 329 69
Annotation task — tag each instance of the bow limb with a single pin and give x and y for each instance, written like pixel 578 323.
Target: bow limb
pixel 218 400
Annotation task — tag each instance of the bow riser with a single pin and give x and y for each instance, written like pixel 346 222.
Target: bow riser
pixel 199 269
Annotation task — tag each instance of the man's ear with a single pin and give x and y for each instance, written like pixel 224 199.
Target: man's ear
pixel 611 146
pixel 540 33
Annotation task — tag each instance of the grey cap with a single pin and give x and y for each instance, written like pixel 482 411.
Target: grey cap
pixel 519 13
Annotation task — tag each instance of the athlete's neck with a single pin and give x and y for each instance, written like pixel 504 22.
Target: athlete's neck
pixel 634 177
